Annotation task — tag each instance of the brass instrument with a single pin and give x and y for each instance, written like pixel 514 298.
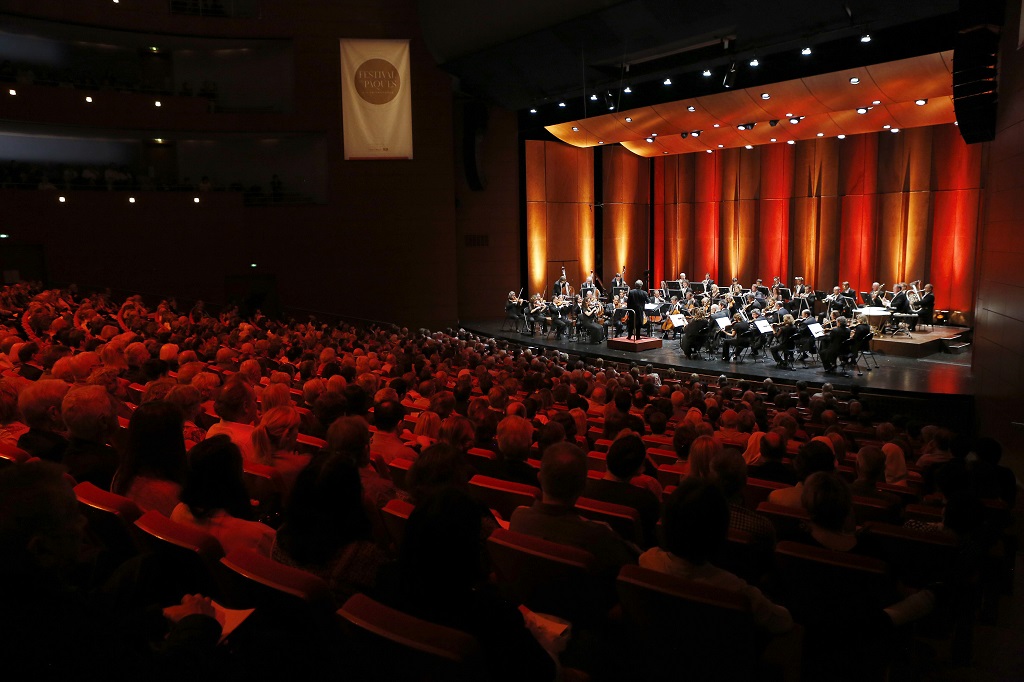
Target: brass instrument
pixel 914 297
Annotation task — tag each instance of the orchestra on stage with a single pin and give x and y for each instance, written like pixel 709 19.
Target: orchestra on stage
pixel 711 320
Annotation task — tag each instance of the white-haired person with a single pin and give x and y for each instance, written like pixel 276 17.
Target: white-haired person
pixel 91 418
pixel 273 441
pixel 40 405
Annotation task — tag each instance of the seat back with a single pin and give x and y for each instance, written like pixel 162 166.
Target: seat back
pixel 110 518
pixel 673 620
pixel 659 456
pixel 547 577
pixel 259 582
pixel 191 555
pixel 482 460
pixel 597 461
pixel 917 557
pixel 871 509
pixel 309 445
pixel 790 523
pixel 392 645
pixel 397 469
pixel 671 474
pixel 395 514
pixel 12 454
pixel 743 555
pixel 624 520
pixel 502 496
pixel 265 485
pixel 757 491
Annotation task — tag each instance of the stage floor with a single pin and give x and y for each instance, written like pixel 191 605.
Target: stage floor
pixel 940 373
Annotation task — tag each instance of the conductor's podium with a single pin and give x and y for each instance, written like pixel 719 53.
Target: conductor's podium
pixel 634 346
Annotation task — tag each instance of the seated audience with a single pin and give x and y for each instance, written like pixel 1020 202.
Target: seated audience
pixel 11 426
pixel 515 437
pixel 828 501
pixel 812 457
pixel 729 472
pixel 625 461
pixel 153 466
pixel 91 419
pixel 273 442
pixel 236 407
pixel 349 438
pixel 39 404
pixel 388 416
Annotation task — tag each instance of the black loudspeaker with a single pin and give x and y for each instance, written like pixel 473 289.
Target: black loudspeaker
pixel 975 69
pixel 474 126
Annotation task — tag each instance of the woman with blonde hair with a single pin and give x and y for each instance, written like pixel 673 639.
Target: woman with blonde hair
pixel 275 395
pixel 273 441
pixel 428 426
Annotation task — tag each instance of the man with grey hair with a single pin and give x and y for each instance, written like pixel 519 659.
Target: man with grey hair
pixel 91 418
pixel 636 300
pixel 40 405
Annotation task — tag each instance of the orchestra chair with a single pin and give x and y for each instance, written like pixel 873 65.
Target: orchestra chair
pixel 192 556
pixel 547 577
pixel 504 497
pixel 12 454
pixel 672 620
pixel 266 488
pixel 511 321
pixel 790 523
pixel 757 491
pixel 917 557
pixel 396 514
pixel 388 644
pixel 623 520
pixel 110 520
pixel 835 596
pixel 397 470
pixel 862 351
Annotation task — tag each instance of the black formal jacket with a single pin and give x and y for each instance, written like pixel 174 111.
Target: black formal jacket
pixel 636 299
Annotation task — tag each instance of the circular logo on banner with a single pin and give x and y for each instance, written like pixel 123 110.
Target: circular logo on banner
pixel 377 81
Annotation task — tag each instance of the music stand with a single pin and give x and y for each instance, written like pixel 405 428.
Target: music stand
pixel 764 291
pixel 785 294
pixel 851 303
pixel 616 291
pixel 864 297
pixel 763 326
pixel 697 288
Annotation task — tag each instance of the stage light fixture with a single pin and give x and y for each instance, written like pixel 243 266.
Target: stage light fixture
pixel 721 146
pixel 774 140
pixel 195 200
pixel 684 135
pixel 654 134
pixel 667 81
pixel 691 108
pixel 806 51
pixel 650 139
pixel 600 141
pixel 706 73
pixel 794 120
pixel 131 200
pixel 886 126
pixel 611 107
pixel 821 134
pixel 61 199
pixel 627 90
pixel 575 129
pixel 718 125
pixel 894 130
pixel 4 235
pixel 730 76
pixel 88 99
pixel 561 104
pixel 921 102
pixel 754 62
pixel 664 152
pixel 593 98
pixel 790 141
pixel 765 95
pixel 841 136
pixel 629 119
pixel 252 265
pixel 876 102
pixel 956 123
pixel 854 81
pixel 157 103
pixel 709 151
pixel 533 111
pixel 862 110
pixel 866 38
pixel 696 133
pixel 12 92
pixel 748 146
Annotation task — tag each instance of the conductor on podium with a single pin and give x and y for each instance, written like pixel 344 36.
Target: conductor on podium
pixel 636 299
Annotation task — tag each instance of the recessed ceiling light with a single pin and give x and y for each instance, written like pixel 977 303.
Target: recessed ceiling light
pixel 611 108
pixel 765 95
pixel 664 152
pixel 561 104
pixel 841 136
pixel 794 120
pixel 790 141
pixel 876 102
pixel 88 99
pixel 921 102
pixel 894 130
pixel 252 265
pixel 706 73
pixel 157 103
pixel 61 199
pixel 696 133
pixel 629 119
pixel 650 139
pixel 195 200
pixel 12 92
pixel 788 115
pixel 667 81
pixel 709 151
pixel 600 141
pixel 854 81
pixel 956 123
pixel 131 200
pixel 718 125
pixel 627 90
pixel 748 146
pixel 886 126
pixel 721 146
pixel 862 110
pixel 575 129
pixel 691 108
pixel 806 51
pixel 742 126
pixel 654 134
pixel 774 140
pixel 821 134
pixel 866 38
pixel 754 62
pixel 533 111
pixel 593 98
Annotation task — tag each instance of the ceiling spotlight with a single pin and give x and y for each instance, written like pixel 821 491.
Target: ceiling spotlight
pixel 611 107
pixel 774 122
pixel 575 129
pixel 748 146
pixel 664 152
pixel 667 81
pixel 754 62
pixel 650 139
pixel 821 134
pixel 877 102
pixel 696 133
pixel 721 146
pixel 841 136
pixel 862 110
pixel 88 99
pixel 788 115
pixel 533 111
pixel 730 76
pixel 684 135
pixel 629 119
pixel 158 140
pixel 866 38
pixel 654 134
pixel 709 151
pixel 131 200
pixel 195 200
pixel 252 265
pixel 956 123
pixel 742 126
pixel 790 141
pixel 794 120
pixel 627 90
pixel 61 199
pixel 886 126
pixel 157 103
pixel 774 140
pixel 12 92
pixel 4 235
pixel 854 81
pixel 806 51
pixel 593 98
pixel 920 102
pixel 600 141
pixel 718 125
pixel 894 130
pixel 765 95
pixel 561 104
pixel 691 108
pixel 706 73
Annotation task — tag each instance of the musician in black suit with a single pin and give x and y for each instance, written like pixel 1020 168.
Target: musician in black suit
pixel 836 342
pixel 618 281
pixel 875 296
pixel 861 331
pixel 900 304
pixel 848 291
pixel 560 287
pixel 693 334
pixel 559 312
pixel 636 299
pixel 927 313
pixel 736 338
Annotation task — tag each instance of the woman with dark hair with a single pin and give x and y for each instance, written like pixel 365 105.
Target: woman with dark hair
pixel 153 467
pixel 440 577
pixel 215 500
pixel 438 467
pixel 457 431
pixel 326 530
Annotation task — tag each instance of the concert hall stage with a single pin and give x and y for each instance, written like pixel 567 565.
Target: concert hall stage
pixel 936 375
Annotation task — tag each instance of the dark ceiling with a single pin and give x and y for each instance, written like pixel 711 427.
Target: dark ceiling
pixel 535 53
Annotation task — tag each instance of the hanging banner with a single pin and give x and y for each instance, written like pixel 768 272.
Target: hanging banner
pixel 376 99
